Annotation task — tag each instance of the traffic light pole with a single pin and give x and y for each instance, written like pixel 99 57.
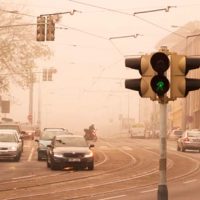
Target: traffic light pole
pixel 162 187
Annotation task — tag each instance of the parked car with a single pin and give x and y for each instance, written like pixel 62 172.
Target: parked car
pixel 44 140
pixel 13 126
pixel 175 134
pixel 190 139
pixel 10 144
pixel 70 151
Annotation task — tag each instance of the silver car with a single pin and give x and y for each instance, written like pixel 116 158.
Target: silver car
pixel 190 139
pixel 10 145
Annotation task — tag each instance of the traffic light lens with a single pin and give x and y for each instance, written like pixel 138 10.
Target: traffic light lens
pixel 160 84
pixel 160 62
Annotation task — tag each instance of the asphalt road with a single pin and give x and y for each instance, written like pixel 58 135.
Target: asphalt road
pixel 125 169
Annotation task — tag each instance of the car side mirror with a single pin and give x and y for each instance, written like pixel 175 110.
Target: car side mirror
pixel 91 145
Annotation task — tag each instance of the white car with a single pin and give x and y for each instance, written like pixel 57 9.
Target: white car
pixel 10 144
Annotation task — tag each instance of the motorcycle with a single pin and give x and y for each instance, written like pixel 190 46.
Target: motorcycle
pixel 90 135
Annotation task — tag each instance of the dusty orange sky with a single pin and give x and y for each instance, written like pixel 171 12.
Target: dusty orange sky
pixel 89 84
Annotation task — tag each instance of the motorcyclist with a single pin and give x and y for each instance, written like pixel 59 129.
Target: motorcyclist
pixel 90 133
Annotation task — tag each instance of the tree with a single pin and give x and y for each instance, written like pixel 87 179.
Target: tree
pixel 19 49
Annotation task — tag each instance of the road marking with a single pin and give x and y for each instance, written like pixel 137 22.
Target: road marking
pixel 31 154
pixel 104 147
pixel 145 191
pixel 190 181
pixel 114 197
pixel 127 148
pixel 22 177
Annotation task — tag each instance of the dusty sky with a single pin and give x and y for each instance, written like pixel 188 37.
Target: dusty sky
pixel 89 84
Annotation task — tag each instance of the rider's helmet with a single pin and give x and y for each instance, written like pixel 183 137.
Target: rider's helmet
pixel 91 127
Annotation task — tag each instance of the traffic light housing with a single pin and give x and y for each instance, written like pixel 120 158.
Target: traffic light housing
pixel 159 83
pixel 40 28
pixel 180 66
pixel 50 35
pixel 142 85
pixel 45 74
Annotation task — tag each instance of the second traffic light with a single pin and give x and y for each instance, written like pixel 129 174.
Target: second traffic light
pixel 40 36
pixel 50 35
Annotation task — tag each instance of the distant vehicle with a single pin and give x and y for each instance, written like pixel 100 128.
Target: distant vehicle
pixel 28 131
pixel 175 134
pixel 190 139
pixel 70 151
pixel 138 130
pixel 54 129
pixel 10 145
pixel 44 140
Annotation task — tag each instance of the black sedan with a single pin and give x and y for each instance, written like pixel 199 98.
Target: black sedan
pixel 70 151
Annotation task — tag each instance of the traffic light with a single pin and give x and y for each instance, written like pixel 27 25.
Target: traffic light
pixel 50 29
pixel 40 29
pixel 44 74
pixel 180 66
pixel 142 85
pixel 159 83
pixel 50 74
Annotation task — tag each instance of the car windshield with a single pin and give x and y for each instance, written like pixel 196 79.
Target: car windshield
pixel 48 135
pixel 9 126
pixel 5 137
pixel 70 142
pixel 178 132
pixel 194 134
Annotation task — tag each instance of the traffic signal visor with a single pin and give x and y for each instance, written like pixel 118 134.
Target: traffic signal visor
pixel 142 85
pixel 180 85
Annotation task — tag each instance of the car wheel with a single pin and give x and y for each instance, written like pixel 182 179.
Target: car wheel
pixel 55 166
pixel 17 158
pixel 48 164
pixel 39 158
pixel 91 166
pixel 182 148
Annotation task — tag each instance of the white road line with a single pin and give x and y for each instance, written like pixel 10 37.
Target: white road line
pixel 152 190
pixel 190 181
pixel 22 177
pixel 127 148
pixel 114 197
pixel 104 147
pixel 31 154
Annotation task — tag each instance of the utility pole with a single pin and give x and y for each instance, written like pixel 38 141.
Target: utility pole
pixel 162 187
pixel 39 103
pixel 30 115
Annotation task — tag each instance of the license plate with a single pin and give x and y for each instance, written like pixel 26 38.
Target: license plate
pixel 74 159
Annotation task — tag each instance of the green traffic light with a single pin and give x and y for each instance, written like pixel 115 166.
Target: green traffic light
pixel 160 86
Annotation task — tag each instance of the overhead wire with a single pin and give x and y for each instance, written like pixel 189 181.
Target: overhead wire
pixel 128 14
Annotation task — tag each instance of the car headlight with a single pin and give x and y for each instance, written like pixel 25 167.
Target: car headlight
pixel 58 155
pixel 13 148
pixel 89 154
